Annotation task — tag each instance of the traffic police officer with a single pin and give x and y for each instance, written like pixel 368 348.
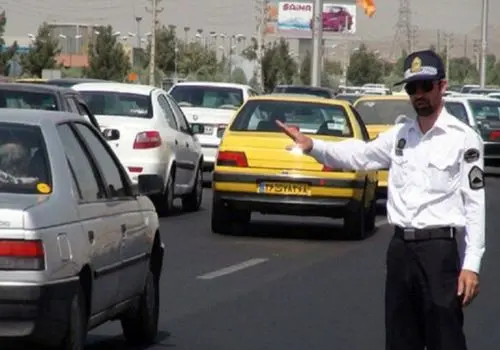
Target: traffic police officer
pixel 435 188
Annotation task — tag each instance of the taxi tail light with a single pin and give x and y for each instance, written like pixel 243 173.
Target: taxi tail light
pixel 494 135
pixel 147 139
pixel 327 168
pixel 21 255
pixel 230 158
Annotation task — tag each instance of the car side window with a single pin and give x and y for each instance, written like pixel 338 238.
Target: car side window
pixel 167 111
pixel 80 165
pixel 362 126
pixel 110 171
pixel 181 119
pixel 457 109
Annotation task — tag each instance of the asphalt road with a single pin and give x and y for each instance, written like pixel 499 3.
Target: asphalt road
pixel 290 284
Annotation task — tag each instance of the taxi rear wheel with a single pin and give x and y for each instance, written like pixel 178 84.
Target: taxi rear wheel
pixel 355 222
pixel 226 220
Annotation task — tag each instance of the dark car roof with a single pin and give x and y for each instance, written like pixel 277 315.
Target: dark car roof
pixel 34 88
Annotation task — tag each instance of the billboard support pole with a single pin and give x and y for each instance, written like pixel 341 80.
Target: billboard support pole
pixel 317 40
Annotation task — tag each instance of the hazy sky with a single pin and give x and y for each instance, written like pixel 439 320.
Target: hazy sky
pixel 232 16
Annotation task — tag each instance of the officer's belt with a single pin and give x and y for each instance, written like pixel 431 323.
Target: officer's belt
pixel 416 234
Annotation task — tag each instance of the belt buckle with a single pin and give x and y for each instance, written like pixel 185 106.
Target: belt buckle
pixel 409 234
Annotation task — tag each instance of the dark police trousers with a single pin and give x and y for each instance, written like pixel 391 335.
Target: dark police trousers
pixel 422 308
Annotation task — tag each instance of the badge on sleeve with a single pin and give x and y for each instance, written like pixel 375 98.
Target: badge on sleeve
pixel 399 146
pixel 471 155
pixel 476 178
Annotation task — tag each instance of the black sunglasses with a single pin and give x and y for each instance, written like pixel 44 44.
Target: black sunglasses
pixel 424 85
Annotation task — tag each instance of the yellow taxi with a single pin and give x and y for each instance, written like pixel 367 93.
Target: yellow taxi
pixel 379 113
pixel 256 172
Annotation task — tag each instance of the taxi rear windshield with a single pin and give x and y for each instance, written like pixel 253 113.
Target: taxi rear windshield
pixel 24 165
pixel 309 118
pixel 28 100
pixel 383 112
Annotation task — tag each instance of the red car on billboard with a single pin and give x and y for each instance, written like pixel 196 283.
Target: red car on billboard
pixel 336 19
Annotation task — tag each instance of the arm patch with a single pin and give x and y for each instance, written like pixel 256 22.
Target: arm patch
pixel 476 178
pixel 471 155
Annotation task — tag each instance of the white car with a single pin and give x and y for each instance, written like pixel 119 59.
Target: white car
pixel 483 115
pixel 150 135
pixel 210 105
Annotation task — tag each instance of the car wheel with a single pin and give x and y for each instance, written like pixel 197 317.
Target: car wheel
pixel 192 202
pixel 226 220
pixel 354 222
pixel 371 215
pixel 140 324
pixel 74 339
pixel 165 202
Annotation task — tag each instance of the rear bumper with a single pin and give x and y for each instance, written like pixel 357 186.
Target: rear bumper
pixel 36 313
pixel 492 153
pixel 145 169
pixel 320 205
pixel 286 205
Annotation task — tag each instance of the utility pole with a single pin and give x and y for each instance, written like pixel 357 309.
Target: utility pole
pixel 317 40
pixel 484 43
pixel 261 30
pixel 403 31
pixel 138 20
pixel 155 10
pixel 449 45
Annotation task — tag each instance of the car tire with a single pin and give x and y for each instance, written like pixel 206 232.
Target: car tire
pixel 165 202
pixel 140 323
pixel 371 215
pixel 227 221
pixel 76 333
pixel 192 202
pixel 354 222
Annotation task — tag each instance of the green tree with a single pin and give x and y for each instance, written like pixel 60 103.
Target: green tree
pixel 43 53
pixel 364 67
pixel 238 76
pixel 166 46
pixel 333 67
pixel 250 53
pixel 278 67
pixel 107 59
pixel 196 60
pixel 305 69
pixel 462 70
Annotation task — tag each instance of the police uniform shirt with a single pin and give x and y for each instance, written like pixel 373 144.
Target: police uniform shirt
pixel 435 179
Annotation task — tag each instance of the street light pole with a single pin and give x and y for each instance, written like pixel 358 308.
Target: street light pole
pixel 484 43
pixel 317 40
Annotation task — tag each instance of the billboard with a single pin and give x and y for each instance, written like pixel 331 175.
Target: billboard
pixel 293 19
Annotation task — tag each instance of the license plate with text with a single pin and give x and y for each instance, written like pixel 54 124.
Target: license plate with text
pixel 289 189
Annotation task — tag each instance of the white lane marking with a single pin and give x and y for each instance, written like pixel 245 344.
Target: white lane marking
pixel 232 269
pixel 381 222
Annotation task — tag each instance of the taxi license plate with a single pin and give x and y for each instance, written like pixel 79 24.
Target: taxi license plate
pixel 288 189
pixel 208 130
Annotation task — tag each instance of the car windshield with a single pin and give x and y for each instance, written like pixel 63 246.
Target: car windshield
pixel 206 96
pixel 381 112
pixel 485 110
pixel 24 165
pixel 309 118
pixel 118 104
pixel 306 90
pixel 28 100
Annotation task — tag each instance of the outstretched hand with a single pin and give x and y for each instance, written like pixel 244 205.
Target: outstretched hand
pixel 301 141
